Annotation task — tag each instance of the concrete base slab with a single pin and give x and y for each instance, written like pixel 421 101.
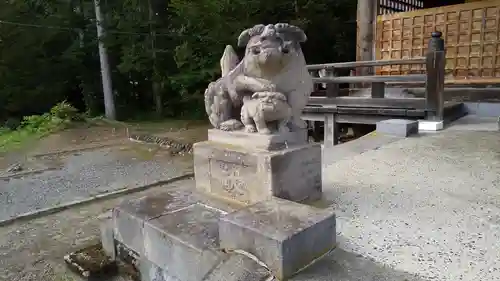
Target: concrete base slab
pixel 238 267
pixel 107 239
pixel 129 217
pixel 425 125
pixel 185 242
pixel 285 235
pixel 258 141
pixel 247 176
pixel 151 272
pixel 174 236
pixel 398 127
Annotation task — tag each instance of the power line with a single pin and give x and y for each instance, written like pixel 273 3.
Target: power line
pixel 36 25
pixel 111 31
pixel 78 29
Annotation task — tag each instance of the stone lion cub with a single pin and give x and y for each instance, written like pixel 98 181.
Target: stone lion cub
pixel 265 110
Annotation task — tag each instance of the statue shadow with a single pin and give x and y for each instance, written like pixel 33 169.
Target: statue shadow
pixel 341 265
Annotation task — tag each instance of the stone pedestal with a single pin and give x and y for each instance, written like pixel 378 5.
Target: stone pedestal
pixel 257 141
pixel 250 168
pixel 178 235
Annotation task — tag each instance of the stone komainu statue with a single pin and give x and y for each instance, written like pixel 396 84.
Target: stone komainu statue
pixel 272 74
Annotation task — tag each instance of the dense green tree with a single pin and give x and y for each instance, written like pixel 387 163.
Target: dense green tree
pixel 162 53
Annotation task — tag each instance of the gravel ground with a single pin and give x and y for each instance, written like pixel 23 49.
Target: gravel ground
pixel 34 250
pixel 422 208
pixel 88 173
pixel 429 206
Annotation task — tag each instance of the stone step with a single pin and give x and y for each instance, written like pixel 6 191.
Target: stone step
pixel 286 236
pixel 175 236
pixel 398 127
pixel 235 267
pixel 184 243
pixel 129 218
pixel 174 231
pixel 184 235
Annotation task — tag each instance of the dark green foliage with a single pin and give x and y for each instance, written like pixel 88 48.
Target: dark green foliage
pixel 175 45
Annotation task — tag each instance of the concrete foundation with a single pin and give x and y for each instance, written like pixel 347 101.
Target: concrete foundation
pixel 426 125
pixel 398 127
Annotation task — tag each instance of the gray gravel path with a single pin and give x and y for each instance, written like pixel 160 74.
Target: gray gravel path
pixel 33 250
pixel 84 175
pixel 429 206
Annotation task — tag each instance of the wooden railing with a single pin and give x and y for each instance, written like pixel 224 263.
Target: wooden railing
pixel 434 62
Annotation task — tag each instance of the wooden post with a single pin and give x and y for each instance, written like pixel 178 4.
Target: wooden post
pixel 435 65
pixel 332 89
pixel 332 132
pixel 366 28
pixel 314 74
pixel 317 131
pixel 378 90
pixel 352 86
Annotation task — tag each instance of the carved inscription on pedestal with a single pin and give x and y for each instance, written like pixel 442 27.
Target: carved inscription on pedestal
pixel 230 179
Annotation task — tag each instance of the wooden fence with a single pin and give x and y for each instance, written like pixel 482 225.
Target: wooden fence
pixel 471 32
pixel 434 61
pixel 332 106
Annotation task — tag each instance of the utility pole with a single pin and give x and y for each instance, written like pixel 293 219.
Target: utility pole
pixel 155 83
pixel 367 10
pixel 107 87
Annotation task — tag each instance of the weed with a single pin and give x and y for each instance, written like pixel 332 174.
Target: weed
pixel 36 126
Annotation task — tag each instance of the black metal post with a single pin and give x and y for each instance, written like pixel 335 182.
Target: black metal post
pixel 435 68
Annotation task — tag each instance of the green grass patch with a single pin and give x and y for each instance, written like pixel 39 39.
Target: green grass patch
pixel 63 116
pixel 13 140
pixel 35 127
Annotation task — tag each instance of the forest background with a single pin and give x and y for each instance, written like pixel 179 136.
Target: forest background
pixel 162 53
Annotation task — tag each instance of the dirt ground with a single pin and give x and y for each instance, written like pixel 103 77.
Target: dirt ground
pixel 34 249
pixel 100 134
